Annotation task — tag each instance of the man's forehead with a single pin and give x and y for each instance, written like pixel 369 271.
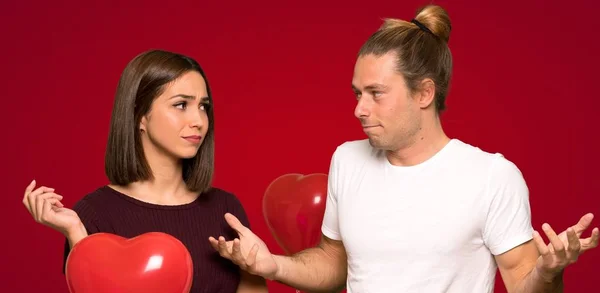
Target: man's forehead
pixel 372 70
pixel 374 80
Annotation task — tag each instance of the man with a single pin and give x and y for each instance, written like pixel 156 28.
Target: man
pixel 409 209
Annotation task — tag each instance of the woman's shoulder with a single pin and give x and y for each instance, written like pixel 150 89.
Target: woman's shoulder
pixel 230 201
pixel 222 195
pixel 94 199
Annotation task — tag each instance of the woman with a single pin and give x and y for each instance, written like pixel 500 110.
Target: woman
pixel 159 160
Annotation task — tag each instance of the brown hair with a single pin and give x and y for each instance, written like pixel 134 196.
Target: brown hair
pixel 142 81
pixel 421 47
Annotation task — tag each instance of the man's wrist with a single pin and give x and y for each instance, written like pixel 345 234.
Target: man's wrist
pixel 278 275
pixel 549 277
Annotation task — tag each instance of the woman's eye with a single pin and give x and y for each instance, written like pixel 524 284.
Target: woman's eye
pixel 181 105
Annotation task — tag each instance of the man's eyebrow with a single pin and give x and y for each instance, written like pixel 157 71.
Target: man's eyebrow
pixel 376 86
pixel 373 86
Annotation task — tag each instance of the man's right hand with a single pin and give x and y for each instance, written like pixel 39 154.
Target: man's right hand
pixel 248 251
pixel 45 207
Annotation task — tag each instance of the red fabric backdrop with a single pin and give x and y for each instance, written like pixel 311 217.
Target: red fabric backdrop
pixel 523 86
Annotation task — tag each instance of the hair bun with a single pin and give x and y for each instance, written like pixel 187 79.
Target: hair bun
pixel 436 19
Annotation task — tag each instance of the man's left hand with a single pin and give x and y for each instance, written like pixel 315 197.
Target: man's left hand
pixel 563 249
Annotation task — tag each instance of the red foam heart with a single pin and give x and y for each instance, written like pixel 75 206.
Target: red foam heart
pixel 151 262
pixel 293 207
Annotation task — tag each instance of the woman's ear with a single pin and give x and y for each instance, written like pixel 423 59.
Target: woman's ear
pixel 143 124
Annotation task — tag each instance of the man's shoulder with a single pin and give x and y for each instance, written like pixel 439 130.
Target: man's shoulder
pixel 496 165
pixel 473 151
pixel 355 149
pixel 469 153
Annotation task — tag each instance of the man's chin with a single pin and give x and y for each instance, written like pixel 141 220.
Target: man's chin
pixel 375 143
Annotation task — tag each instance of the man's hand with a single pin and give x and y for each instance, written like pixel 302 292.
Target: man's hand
pixel 248 251
pixel 564 249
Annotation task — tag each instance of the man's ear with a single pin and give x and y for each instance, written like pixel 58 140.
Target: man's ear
pixel 426 93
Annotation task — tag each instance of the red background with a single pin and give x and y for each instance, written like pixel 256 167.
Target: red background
pixel 523 85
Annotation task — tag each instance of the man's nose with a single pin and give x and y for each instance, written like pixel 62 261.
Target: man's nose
pixel 362 108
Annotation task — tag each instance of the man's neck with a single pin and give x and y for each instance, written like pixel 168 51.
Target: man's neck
pixel 424 145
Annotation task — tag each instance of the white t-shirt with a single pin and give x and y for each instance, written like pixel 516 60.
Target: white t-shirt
pixel 433 227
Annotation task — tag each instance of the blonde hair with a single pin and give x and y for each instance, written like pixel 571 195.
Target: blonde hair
pixel 421 48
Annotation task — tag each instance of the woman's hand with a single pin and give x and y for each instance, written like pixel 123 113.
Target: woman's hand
pixel 45 207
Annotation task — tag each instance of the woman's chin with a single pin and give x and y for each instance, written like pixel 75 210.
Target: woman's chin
pixel 185 152
pixel 187 155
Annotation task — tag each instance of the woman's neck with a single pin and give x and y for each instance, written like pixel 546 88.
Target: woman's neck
pixel 166 188
pixel 160 192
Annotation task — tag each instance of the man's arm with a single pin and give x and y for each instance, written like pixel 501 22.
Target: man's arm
pixel 322 268
pixel 537 267
pixel 517 268
pixel 319 269
pixel 527 265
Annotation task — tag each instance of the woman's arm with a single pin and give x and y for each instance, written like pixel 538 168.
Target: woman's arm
pixel 251 284
pixel 75 235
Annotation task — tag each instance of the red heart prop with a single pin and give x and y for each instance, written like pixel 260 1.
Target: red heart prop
pixel 151 262
pixel 293 207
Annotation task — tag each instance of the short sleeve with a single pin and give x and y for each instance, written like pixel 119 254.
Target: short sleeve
pixel 508 222
pixel 330 226
pixel 90 220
